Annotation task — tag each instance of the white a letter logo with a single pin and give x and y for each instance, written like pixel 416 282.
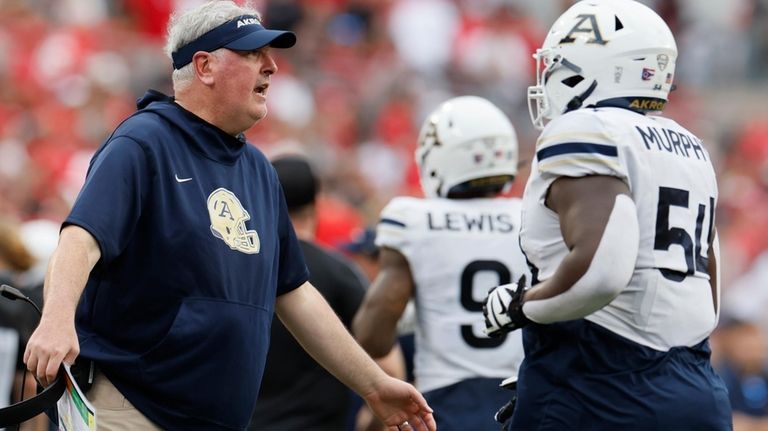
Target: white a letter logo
pixel 228 219
pixel 592 29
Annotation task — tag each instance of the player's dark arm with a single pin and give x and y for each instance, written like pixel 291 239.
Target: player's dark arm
pixel 599 227
pixel 714 273
pixel 375 325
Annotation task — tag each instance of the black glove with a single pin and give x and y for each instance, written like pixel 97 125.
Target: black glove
pixel 505 412
pixel 503 309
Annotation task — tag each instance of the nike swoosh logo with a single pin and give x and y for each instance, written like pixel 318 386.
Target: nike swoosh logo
pixel 181 180
pixel 502 308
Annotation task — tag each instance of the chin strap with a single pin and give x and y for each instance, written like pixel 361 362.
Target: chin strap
pixel 577 101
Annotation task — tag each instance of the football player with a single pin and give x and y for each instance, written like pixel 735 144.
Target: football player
pixel 618 227
pixel 446 251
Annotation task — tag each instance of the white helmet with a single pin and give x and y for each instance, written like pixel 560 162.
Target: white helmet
pixel 467 145
pixel 616 52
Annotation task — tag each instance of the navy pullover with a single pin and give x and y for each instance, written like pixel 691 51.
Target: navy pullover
pixel 195 245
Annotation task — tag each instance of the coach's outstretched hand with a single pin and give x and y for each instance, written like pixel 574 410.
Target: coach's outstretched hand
pixel 400 405
pixel 503 309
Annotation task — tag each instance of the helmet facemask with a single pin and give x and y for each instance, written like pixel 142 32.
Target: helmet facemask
pixel 543 105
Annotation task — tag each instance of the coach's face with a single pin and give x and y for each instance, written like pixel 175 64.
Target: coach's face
pixel 242 83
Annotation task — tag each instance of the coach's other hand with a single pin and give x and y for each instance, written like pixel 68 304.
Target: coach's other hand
pixel 52 343
pixel 396 402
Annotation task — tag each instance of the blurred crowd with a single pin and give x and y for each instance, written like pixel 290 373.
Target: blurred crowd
pixel 352 92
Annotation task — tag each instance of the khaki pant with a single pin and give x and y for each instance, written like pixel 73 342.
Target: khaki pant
pixel 115 413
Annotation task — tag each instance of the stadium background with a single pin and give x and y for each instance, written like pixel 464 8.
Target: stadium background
pixel 354 90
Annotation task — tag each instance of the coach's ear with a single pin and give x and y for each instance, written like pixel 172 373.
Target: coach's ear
pixel 204 64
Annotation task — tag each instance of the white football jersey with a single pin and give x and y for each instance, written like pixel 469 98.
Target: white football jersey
pixel 671 179
pixel 457 250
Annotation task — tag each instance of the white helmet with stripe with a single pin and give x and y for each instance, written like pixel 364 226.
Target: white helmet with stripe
pixel 467 147
pixel 611 52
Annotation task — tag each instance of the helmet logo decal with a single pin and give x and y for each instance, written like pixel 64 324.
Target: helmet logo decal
pixel 647 104
pixel 593 29
pixel 648 73
pixel 663 61
pixel 617 72
pixel 431 136
pixel 430 139
pixel 228 219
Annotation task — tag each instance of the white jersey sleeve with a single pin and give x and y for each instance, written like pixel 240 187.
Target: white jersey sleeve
pixel 397 222
pixel 456 251
pixel 578 146
pixel 668 302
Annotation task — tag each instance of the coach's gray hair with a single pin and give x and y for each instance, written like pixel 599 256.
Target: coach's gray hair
pixel 186 26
